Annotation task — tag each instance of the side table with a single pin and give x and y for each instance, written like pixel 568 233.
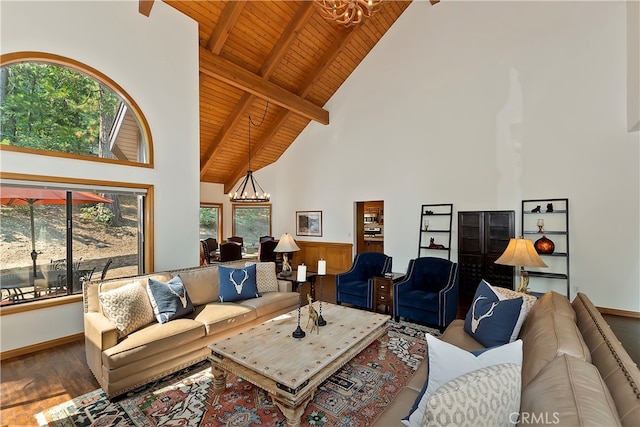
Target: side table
pixel 383 292
pixel 293 278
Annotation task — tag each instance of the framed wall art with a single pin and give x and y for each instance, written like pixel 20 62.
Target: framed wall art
pixel 309 223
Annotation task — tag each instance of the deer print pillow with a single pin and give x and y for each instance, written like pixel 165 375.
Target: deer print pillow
pixel 237 284
pixel 492 321
pixel 169 300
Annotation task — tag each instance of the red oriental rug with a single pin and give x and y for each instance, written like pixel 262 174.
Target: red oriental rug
pixel 353 396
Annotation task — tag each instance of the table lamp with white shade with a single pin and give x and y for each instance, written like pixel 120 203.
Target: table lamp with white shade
pixel 521 252
pixel 286 244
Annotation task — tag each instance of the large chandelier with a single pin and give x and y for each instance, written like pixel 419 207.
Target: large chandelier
pixel 249 191
pixel 347 12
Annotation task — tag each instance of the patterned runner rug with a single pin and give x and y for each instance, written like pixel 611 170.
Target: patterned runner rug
pixel 353 396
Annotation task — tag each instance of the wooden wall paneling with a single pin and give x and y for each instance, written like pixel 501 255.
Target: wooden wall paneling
pixel 339 256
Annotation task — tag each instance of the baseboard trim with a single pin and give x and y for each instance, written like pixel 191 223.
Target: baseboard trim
pixel 621 313
pixel 40 346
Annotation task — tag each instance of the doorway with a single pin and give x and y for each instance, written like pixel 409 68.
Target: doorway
pixel 370 226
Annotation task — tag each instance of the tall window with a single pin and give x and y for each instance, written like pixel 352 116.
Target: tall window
pixel 211 221
pixel 62 107
pixel 250 223
pixel 55 237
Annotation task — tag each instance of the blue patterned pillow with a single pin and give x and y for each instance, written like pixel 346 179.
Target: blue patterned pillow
pixel 169 300
pixel 237 284
pixel 491 321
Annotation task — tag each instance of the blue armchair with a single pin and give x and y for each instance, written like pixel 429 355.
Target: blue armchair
pixel 355 286
pixel 428 293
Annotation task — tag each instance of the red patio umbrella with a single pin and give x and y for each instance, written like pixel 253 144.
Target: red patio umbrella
pixel 13 196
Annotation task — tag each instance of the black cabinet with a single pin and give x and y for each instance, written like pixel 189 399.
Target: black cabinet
pixel 482 237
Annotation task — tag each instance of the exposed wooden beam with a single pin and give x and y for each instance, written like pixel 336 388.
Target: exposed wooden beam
pixel 228 18
pixel 334 50
pixel 290 33
pixel 226 71
pixel 144 7
pixel 288 36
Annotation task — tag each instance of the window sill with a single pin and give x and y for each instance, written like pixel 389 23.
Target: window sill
pixel 38 305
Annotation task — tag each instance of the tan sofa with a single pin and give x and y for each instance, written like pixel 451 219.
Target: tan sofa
pixel 155 350
pixel 574 369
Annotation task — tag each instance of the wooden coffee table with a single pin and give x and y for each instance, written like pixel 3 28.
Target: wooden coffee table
pixel 291 369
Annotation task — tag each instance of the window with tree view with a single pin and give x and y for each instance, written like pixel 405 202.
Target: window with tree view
pixel 251 223
pixel 210 221
pixel 54 237
pixel 59 109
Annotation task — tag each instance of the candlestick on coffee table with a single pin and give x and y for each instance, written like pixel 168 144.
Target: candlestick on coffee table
pixel 301 278
pixel 322 271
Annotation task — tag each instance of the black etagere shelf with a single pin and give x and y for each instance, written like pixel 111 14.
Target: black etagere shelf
pixel 558 223
pixel 440 229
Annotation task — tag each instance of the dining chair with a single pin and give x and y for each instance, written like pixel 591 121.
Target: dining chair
pixel 106 267
pixel 211 248
pixel 236 239
pixel 266 251
pixel 230 251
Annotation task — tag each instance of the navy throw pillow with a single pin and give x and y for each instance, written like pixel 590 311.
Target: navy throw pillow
pixel 169 300
pixel 490 321
pixel 237 284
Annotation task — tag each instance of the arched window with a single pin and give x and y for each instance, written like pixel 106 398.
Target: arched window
pixel 58 106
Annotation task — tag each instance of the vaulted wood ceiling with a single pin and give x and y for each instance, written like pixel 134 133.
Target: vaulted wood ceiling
pixel 281 52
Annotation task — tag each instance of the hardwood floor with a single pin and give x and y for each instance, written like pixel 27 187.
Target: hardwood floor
pixel 40 380
pixel 32 383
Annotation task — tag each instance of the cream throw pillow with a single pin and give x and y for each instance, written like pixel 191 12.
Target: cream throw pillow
pixel 486 397
pixel 448 362
pixel 527 302
pixel 266 277
pixel 128 307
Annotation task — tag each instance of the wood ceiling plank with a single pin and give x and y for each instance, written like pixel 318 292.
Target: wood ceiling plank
pixel 298 22
pixel 289 57
pixel 339 43
pixel 221 31
pixel 233 119
pixel 290 33
pixel 234 75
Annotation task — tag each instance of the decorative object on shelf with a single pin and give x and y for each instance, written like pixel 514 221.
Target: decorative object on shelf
pixel 433 245
pixel 347 12
pixel 309 223
pixel 254 193
pixel 541 226
pixel 549 207
pixel 286 245
pixel 300 278
pixel 313 316
pixel 426 225
pixel 544 245
pixel 536 209
pixel 322 271
pixel 521 252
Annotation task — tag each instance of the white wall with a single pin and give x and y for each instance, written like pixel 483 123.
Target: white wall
pixel 483 104
pixel 154 59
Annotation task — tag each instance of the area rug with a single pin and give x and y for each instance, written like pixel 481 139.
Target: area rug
pixel 354 396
